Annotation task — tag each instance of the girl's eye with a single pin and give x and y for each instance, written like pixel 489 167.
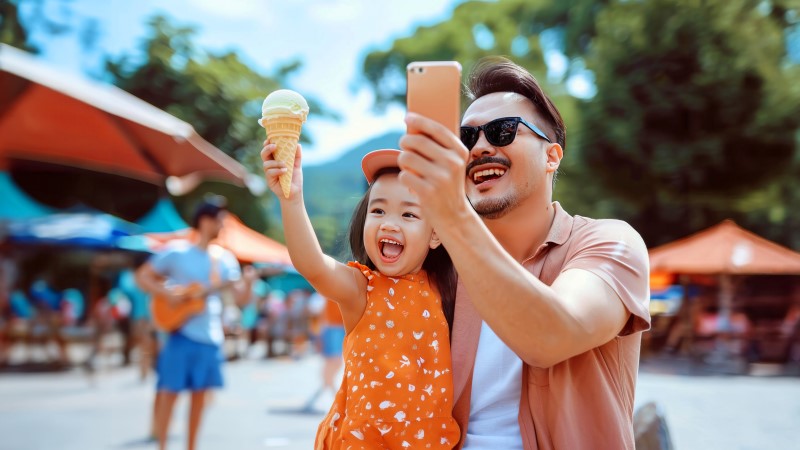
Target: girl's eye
pixel 410 215
pixel 376 211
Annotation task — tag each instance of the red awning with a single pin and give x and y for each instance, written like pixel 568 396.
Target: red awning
pixel 48 115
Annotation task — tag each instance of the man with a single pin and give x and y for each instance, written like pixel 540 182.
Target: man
pixel 192 357
pixel 550 307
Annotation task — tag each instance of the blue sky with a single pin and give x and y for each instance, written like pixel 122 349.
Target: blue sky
pixel 330 36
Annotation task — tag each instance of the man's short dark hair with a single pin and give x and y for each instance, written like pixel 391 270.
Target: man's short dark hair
pixel 211 206
pixel 498 74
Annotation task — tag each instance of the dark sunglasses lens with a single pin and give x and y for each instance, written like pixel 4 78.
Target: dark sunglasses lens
pixel 501 132
pixel 469 136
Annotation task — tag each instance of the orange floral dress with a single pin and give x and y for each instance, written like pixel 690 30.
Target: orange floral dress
pixel 397 390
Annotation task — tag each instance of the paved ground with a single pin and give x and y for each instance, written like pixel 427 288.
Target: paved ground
pixel 68 410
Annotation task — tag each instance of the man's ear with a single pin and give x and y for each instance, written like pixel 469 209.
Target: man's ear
pixel 435 242
pixel 554 155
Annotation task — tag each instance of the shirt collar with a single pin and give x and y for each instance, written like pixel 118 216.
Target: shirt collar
pixel 558 234
pixel 561 227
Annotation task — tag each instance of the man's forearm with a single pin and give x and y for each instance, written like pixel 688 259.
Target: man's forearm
pixel 524 312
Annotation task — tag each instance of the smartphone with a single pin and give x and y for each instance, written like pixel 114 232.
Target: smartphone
pixel 434 91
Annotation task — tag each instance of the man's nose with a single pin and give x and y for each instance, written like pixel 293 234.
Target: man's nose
pixel 482 147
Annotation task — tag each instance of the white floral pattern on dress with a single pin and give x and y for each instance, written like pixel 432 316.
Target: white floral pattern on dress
pixel 397 390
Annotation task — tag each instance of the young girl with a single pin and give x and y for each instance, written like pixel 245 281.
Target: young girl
pixel 397 391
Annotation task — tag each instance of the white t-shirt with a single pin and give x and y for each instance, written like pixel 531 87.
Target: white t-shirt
pixel 496 387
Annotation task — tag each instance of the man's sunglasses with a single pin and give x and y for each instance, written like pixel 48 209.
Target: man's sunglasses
pixel 499 132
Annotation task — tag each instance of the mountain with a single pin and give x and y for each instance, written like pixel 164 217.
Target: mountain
pixel 334 188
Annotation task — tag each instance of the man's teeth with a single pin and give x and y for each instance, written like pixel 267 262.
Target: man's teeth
pixel 389 241
pixel 487 173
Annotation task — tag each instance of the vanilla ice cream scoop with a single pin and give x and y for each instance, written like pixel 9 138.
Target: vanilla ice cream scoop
pixel 282 115
pixel 283 102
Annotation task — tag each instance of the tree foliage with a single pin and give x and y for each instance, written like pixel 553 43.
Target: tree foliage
pixel 695 116
pixel 21 19
pixel 695 108
pixel 218 93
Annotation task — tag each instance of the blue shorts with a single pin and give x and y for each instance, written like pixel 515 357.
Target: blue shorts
pixel 332 338
pixel 184 364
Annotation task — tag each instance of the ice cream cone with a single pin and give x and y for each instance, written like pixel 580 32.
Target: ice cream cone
pixel 284 131
pixel 282 115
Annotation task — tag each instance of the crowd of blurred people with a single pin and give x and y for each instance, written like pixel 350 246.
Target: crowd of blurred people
pixel 113 316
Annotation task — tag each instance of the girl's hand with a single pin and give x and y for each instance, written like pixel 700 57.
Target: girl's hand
pixel 274 169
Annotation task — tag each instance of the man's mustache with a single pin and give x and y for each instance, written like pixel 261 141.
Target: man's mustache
pixel 488 160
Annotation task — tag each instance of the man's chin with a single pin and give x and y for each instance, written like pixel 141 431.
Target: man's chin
pixel 491 208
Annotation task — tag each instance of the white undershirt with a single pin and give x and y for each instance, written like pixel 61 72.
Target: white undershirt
pixel 496 387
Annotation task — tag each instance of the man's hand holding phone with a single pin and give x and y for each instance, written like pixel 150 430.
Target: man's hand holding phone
pixel 433 161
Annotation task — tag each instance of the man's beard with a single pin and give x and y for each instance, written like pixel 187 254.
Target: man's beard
pixel 494 208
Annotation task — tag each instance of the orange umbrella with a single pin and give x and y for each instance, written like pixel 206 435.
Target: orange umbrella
pixel 247 244
pixel 51 116
pixel 725 249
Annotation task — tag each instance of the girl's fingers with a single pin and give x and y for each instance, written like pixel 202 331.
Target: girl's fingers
pixel 273 165
pixel 267 150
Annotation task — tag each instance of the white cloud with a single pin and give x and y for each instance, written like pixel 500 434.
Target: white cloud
pixel 337 11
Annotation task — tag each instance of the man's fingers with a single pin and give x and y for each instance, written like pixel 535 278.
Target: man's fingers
pixel 412 161
pixel 433 129
pixel 412 182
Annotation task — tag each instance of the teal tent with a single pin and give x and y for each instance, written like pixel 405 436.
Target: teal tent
pixel 162 218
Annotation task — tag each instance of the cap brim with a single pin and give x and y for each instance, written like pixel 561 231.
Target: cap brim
pixel 376 160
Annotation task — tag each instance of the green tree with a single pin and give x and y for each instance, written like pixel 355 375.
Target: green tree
pixel 21 19
pixel 476 29
pixel 695 109
pixel 218 94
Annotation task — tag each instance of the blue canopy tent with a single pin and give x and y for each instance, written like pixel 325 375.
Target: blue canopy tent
pixel 82 230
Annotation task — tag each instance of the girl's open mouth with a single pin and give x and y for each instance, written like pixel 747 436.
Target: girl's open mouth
pixel 390 250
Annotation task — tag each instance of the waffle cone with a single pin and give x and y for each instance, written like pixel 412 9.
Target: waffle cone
pixel 284 131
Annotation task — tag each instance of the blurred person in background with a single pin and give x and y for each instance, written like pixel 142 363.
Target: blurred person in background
pixel 109 307
pixel 252 314
pixel 142 334
pixel 331 340
pixel 47 302
pixel 550 307
pixel 297 304
pixel 277 322
pixel 6 312
pixel 316 310
pixel 191 359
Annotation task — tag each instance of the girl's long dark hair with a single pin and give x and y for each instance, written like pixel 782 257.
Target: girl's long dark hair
pixel 437 264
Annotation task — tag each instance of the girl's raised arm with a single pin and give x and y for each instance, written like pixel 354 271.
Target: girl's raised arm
pixel 332 279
